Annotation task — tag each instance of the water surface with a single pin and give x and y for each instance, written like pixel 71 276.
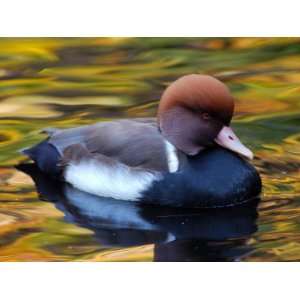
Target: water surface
pixel 76 81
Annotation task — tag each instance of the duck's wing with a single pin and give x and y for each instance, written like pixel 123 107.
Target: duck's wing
pixel 105 176
pixel 134 142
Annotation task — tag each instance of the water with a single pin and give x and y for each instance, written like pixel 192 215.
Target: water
pixel 75 81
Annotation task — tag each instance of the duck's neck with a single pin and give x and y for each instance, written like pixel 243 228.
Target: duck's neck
pixel 181 128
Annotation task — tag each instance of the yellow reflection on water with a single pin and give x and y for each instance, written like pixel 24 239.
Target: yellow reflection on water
pixel 65 82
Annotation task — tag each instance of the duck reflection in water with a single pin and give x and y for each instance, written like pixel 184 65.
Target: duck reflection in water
pixel 177 234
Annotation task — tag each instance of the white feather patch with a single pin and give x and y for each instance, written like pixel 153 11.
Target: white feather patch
pixel 173 162
pixel 117 181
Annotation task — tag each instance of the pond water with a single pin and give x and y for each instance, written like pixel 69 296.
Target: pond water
pixel 54 82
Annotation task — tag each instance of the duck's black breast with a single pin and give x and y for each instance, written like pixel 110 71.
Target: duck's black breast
pixel 213 178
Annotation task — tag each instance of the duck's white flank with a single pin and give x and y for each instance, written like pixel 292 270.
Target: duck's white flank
pixel 116 180
pixel 173 162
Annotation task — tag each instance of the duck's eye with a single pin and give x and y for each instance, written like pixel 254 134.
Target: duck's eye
pixel 205 116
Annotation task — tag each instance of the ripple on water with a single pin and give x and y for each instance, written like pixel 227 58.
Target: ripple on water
pixel 68 82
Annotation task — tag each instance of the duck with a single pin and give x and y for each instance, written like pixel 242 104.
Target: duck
pixel 177 233
pixel 188 156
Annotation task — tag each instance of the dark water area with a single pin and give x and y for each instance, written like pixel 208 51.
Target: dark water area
pixel 74 81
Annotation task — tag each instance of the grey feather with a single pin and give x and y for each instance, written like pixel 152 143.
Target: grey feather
pixel 134 142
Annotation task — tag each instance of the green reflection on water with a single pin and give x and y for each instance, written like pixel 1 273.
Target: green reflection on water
pixel 66 82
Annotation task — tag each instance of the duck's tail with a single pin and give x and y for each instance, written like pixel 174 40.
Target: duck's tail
pixel 45 156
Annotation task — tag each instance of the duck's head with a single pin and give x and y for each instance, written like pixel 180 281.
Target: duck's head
pixel 195 112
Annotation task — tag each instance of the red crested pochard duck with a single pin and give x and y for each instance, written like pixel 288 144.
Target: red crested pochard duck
pixel 188 156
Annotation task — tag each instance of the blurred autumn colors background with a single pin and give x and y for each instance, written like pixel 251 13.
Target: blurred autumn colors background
pixel 64 82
